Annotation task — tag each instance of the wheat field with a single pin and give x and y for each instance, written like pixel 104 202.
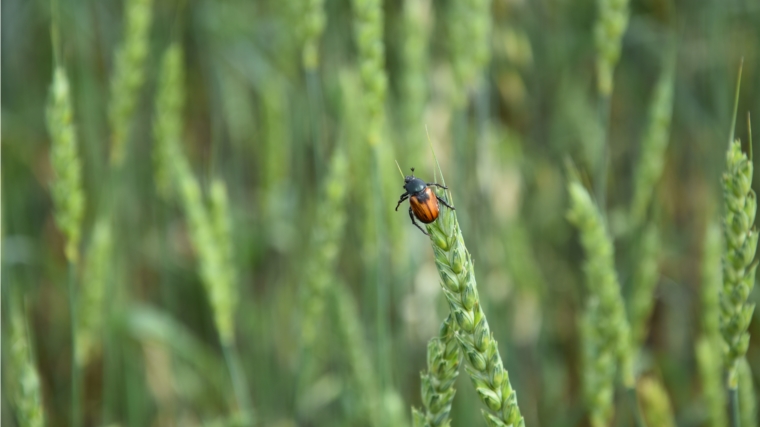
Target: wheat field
pixel 200 222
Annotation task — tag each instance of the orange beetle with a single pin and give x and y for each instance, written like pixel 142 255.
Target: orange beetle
pixel 423 201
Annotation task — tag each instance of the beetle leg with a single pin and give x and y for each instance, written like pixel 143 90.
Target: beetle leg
pixel 411 215
pixel 444 203
pixel 437 185
pixel 403 197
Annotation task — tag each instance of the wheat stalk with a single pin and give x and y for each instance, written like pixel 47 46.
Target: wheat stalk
pixel 747 395
pixel 651 161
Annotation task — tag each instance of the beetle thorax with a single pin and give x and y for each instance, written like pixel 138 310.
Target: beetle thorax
pixel 414 185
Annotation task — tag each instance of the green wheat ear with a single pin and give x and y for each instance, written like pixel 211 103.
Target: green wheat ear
pixel 66 187
pixel 740 240
pixel 368 33
pixel 22 384
pixel 312 26
pixel 92 294
pixel 654 143
pixel 209 227
pixel 468 24
pixel 129 73
pixel 611 23
pixel 443 359
pixel 709 346
pixel 484 364
pixel 644 281
pixel 605 329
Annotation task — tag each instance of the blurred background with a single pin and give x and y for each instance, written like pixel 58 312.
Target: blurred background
pixel 226 249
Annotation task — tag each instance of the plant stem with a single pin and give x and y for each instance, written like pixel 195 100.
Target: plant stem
pixel 238 380
pixel 601 165
pixel 315 119
pixel 76 383
pixel 733 406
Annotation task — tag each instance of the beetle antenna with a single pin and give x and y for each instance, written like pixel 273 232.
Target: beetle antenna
pixel 412 171
pixel 399 169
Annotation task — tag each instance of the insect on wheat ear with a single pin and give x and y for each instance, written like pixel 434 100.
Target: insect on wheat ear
pixel 423 202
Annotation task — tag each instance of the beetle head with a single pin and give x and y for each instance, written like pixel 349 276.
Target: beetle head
pixel 408 178
pixel 413 184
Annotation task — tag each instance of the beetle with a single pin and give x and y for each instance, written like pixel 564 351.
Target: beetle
pixel 423 202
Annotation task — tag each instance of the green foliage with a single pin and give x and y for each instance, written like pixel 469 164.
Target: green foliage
pixel 325 240
pixel 199 212
pixel 377 406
